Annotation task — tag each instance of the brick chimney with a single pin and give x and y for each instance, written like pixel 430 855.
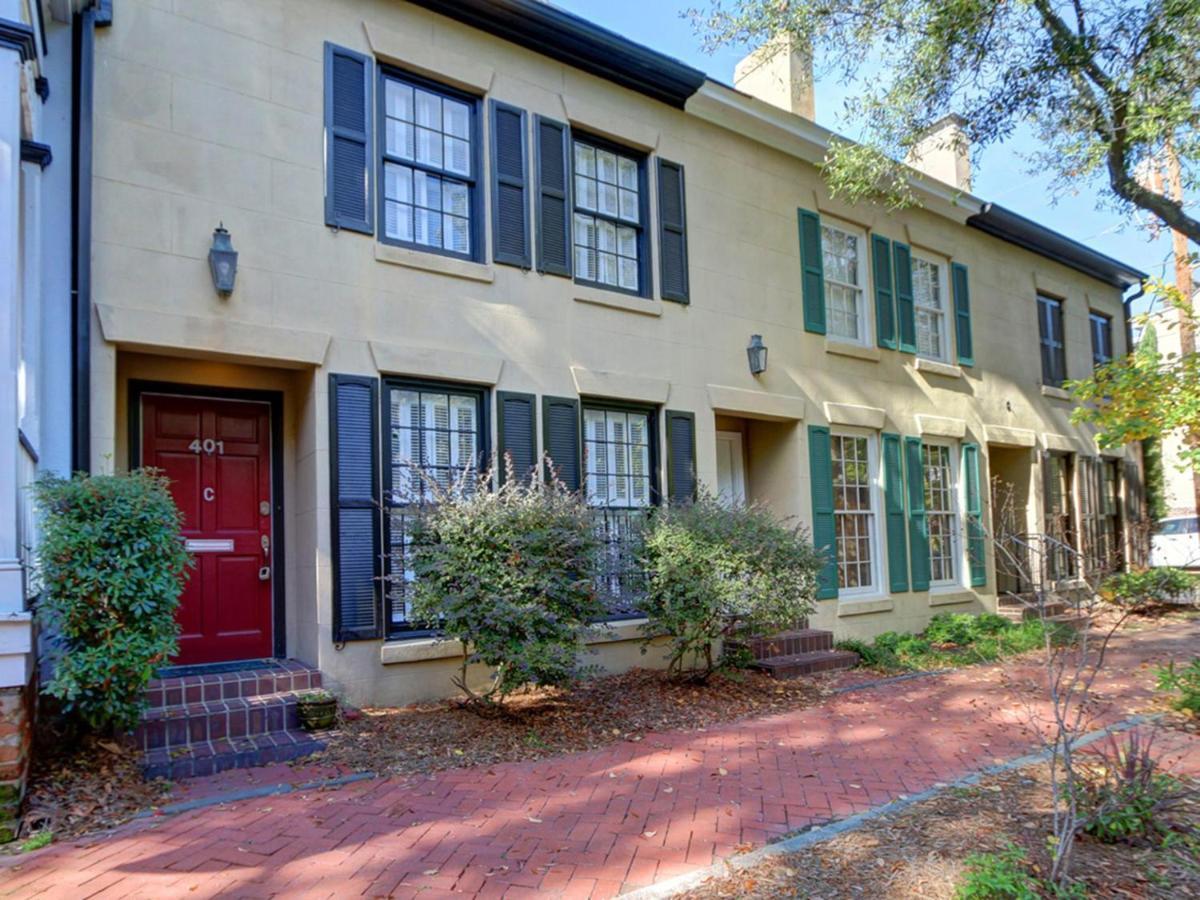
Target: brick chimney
pixel 780 72
pixel 944 153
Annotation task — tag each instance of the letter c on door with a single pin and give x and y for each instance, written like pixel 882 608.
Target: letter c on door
pixel 209 495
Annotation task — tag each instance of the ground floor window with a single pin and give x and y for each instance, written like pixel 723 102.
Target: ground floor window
pixel 1060 516
pixel 619 453
pixel 854 479
pixel 1110 513
pixel 941 514
pixel 434 442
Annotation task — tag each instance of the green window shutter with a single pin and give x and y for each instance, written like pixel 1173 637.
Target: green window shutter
pixel 962 314
pixel 516 431
pixel 896 525
pixel 824 532
pixel 560 437
pixel 918 526
pixel 681 457
pixel 812 268
pixel 355 512
pixel 976 555
pixel 906 316
pixel 885 304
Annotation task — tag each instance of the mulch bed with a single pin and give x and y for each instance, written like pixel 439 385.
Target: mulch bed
pixel 920 852
pixel 432 736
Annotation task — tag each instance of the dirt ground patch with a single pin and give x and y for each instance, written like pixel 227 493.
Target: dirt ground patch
pixel 433 736
pixel 920 851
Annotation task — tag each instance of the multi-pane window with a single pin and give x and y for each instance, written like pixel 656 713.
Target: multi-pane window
pixel 854 512
pixel 941 514
pixel 1050 332
pixel 1060 515
pixel 608 217
pixel 929 301
pixel 434 447
pixel 428 167
pixel 1102 343
pixel 843 256
pixel 619 462
pixel 1110 514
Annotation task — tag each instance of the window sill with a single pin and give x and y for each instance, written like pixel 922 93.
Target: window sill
pixel 948 596
pixel 1055 393
pixel 865 606
pixel 432 262
pixel 936 367
pixel 857 351
pixel 425 649
pixel 643 306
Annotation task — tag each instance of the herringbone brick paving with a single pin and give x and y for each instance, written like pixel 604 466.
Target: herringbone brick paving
pixel 591 824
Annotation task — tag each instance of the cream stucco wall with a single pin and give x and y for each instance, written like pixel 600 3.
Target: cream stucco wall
pixel 211 112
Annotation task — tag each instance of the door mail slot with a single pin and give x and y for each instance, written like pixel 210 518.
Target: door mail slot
pixel 197 545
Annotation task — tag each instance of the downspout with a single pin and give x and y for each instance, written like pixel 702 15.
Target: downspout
pixel 82 100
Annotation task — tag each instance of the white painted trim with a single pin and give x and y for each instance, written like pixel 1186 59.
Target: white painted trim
pixel 939 426
pixel 933 367
pixel 737 474
pixel 620 386
pixel 756 404
pixel 1006 436
pixel 856 351
pixel 435 362
pixel 855 416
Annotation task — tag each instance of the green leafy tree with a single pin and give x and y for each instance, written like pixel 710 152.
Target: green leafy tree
pixel 111 564
pixel 1107 84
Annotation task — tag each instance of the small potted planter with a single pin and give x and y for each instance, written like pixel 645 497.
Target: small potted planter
pixel 317 710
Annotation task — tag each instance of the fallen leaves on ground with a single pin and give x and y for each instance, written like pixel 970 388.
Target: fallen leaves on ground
pixel 920 852
pixel 432 736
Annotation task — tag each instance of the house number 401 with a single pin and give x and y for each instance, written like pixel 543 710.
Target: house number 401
pixel 207 446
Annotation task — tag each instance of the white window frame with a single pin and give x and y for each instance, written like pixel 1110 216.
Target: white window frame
pixel 958 530
pixel 943 284
pixel 865 336
pixel 874 478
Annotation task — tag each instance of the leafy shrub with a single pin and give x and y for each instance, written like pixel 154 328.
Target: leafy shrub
pixel 871 655
pixel 509 574
pixel 952 639
pixel 714 570
pixel 952 628
pixel 998 876
pixel 111 564
pixel 1122 792
pixel 1149 587
pixel 1185 681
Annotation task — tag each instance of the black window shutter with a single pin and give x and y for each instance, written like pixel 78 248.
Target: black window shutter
pixel 348 151
pixel 672 232
pixel 510 193
pixel 516 424
pixel 560 435
pixel 355 511
pixel 553 197
pixel 681 457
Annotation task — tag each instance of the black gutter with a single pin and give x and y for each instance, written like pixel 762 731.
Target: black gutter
pixel 566 37
pixel 1016 229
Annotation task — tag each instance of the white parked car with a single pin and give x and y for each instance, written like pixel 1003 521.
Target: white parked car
pixel 1176 542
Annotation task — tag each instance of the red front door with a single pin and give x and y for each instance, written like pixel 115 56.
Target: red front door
pixel 217 454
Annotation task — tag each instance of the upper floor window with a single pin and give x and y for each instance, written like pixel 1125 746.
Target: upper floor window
pixel 854 477
pixel 429 164
pixel 941 514
pixel 844 259
pixel 929 301
pixel 1050 331
pixel 1102 342
pixel 609 217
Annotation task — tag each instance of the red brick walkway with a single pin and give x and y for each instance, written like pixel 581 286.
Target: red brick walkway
pixel 592 824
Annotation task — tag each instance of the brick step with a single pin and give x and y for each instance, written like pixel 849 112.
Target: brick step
pixel 171 727
pixel 209 757
pixel 279 677
pixel 1018 611
pixel 1075 621
pixel 785 643
pixel 793 665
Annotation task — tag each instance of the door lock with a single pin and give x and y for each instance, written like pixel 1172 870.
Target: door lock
pixel 264 574
pixel 264 508
pixel 266 544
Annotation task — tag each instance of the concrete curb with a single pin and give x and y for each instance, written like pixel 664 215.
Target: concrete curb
pixel 816 835
pixel 267 790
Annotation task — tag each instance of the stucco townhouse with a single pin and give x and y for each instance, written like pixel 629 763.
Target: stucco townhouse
pixel 479 228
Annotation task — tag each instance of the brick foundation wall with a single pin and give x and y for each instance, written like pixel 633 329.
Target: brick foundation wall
pixel 16 738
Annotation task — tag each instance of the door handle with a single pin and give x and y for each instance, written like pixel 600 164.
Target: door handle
pixel 264 574
pixel 266 545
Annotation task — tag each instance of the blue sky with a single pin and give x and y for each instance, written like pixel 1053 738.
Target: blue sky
pixel 1001 176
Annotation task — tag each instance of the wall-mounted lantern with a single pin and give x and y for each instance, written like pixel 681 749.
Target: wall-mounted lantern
pixel 757 354
pixel 222 260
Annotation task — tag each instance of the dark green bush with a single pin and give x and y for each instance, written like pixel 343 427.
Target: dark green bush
pixel 1149 587
pixel 951 640
pixel 998 876
pixel 509 574
pixel 1122 791
pixel 1185 682
pixel 111 564
pixel 714 571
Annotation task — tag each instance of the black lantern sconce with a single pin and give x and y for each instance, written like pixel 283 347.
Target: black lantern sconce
pixel 222 260
pixel 757 354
